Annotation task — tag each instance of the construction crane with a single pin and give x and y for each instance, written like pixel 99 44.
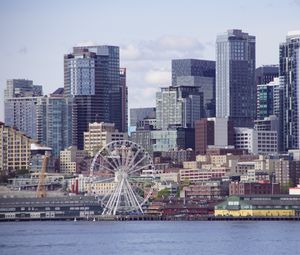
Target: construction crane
pixel 41 189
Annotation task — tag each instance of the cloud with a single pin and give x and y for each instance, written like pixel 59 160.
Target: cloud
pixel 166 47
pixel 86 43
pixel 130 52
pixel 296 2
pixel 162 77
pixel 142 96
pixel 168 42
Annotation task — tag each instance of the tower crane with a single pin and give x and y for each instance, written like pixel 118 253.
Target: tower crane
pixel 41 189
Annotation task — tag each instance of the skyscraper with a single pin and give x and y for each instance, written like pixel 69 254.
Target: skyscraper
pixel 92 81
pixel 198 73
pixel 54 119
pixel 20 97
pixel 235 77
pixel 289 71
pixel 124 99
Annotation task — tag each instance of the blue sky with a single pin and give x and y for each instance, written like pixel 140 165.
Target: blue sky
pixel 34 36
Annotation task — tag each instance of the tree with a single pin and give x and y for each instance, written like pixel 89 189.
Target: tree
pixel 164 193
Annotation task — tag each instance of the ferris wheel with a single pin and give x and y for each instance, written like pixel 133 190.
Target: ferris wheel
pixel 128 170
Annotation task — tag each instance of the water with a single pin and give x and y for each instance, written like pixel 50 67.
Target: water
pixel 130 238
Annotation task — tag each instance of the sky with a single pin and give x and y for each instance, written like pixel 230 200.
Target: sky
pixel 35 35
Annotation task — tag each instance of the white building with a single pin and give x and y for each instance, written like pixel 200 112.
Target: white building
pixel 256 142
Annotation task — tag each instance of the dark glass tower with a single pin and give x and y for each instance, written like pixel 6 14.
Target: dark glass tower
pixel 92 81
pixel 235 77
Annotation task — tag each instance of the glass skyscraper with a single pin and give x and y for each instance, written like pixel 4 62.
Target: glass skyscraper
pixel 289 71
pixel 54 119
pixel 92 81
pixel 235 77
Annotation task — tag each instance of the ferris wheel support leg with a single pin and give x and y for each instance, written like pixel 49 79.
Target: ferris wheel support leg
pixel 107 209
pixel 130 196
pixel 118 197
pixel 137 202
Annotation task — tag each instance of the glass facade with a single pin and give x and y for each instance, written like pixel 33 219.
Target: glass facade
pixel 289 71
pixel 235 77
pixel 92 81
pixel 54 119
pixel 267 99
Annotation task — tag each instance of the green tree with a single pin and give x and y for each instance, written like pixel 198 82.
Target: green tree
pixel 164 193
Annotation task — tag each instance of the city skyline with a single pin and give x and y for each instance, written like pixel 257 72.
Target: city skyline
pixel 39 34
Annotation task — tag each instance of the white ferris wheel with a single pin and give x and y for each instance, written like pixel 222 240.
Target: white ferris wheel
pixel 128 169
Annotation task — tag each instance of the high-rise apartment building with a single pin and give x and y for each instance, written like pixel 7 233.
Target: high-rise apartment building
pixel 198 73
pixel 20 98
pixel 178 107
pixel 289 71
pixel 92 80
pixel 235 77
pixel 20 113
pixel 54 121
pixel 14 149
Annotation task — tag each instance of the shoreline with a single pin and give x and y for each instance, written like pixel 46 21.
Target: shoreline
pixel 153 218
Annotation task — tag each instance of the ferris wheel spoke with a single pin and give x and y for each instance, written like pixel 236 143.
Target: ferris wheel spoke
pixel 134 170
pixel 109 206
pixel 128 155
pixel 103 166
pixel 105 180
pixel 133 158
pixel 136 164
pixel 114 159
pixel 134 197
pixel 131 196
pixel 123 150
pixel 118 197
pixel 119 159
pixel 106 160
